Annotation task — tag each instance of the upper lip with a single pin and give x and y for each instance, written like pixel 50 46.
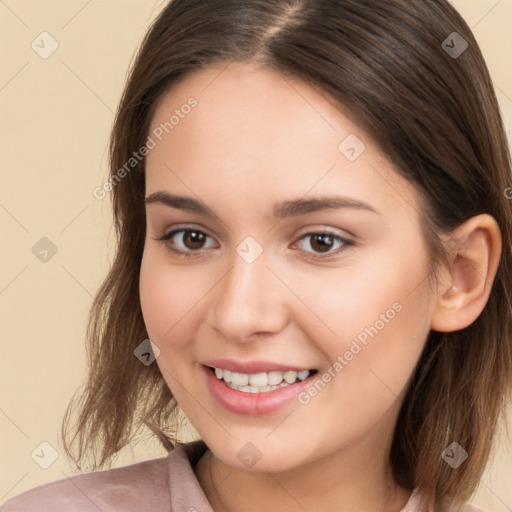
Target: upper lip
pixel 249 367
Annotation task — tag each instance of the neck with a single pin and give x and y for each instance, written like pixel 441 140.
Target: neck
pixel 351 477
pixel 326 484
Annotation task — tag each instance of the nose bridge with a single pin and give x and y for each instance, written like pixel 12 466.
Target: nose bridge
pixel 246 301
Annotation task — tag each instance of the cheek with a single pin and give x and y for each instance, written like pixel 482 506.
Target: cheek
pixel 375 311
pixel 348 298
pixel 165 295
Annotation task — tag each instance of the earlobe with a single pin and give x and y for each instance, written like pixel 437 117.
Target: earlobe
pixel 467 284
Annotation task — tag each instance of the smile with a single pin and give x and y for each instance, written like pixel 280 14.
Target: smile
pixel 256 394
pixel 260 382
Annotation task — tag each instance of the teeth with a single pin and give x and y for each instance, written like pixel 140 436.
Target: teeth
pixel 274 378
pixel 239 379
pixel 257 379
pixel 290 377
pixel 259 382
pixel 256 389
pixel 303 374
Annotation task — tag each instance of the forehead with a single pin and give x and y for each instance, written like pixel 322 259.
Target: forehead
pixel 255 131
pixel 248 98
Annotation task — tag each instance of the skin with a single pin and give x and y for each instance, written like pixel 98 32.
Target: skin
pixel 253 140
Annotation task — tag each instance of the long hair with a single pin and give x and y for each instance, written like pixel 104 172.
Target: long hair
pixel 425 96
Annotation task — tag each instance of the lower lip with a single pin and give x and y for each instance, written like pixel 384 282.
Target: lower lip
pixel 251 404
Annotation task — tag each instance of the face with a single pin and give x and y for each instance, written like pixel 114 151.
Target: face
pixel 339 288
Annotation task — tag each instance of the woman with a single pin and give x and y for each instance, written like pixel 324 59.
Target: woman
pixel 315 236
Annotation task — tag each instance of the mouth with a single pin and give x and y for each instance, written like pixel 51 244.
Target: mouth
pixel 261 382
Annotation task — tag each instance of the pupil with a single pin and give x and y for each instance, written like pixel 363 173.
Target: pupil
pixel 196 238
pixel 322 244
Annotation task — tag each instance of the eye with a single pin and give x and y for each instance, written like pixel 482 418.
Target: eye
pixel 323 242
pixel 191 240
pixel 188 241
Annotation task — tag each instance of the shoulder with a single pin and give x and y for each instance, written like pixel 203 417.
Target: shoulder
pixel 446 505
pixel 136 487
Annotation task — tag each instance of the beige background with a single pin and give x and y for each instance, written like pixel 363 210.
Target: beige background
pixel 55 119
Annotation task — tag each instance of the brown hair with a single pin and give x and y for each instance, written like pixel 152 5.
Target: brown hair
pixel 436 117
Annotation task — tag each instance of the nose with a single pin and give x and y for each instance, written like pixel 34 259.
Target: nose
pixel 249 301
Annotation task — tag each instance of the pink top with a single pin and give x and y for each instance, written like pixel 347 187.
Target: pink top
pixel 166 484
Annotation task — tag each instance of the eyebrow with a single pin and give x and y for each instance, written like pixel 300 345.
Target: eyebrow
pixel 280 210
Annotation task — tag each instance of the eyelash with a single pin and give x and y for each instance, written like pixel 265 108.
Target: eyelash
pixel 190 253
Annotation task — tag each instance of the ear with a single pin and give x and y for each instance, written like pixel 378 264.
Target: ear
pixel 465 287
